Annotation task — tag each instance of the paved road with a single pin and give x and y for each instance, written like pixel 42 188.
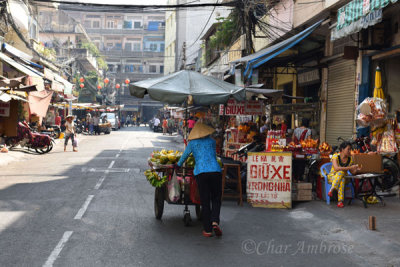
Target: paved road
pixel 95 208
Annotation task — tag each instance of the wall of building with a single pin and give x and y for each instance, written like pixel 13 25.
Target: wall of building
pixel 304 11
pixel 280 19
pixel 170 39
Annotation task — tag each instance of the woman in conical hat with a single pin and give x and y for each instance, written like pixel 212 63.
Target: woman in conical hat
pixel 208 176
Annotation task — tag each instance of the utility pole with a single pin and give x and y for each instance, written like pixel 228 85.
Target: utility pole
pixel 184 56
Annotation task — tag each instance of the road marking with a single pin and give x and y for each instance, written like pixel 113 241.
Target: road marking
pixel 111 164
pixel 82 211
pixel 84 169
pixel 100 182
pixel 57 250
pixel 117 155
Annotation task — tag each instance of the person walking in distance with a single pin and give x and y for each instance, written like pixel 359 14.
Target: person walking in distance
pixel 207 174
pixel 165 126
pixel 96 122
pixel 70 133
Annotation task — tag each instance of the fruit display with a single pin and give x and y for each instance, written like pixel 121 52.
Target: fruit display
pixel 309 143
pixel 292 146
pixel 325 148
pixel 164 157
pixel 155 179
pixel 190 162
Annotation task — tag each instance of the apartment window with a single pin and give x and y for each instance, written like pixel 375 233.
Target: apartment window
pixel 96 24
pixel 110 25
pixel 127 24
pixel 128 46
pixel 153 69
pixel 161 69
pixel 87 24
pixel 162 47
pixel 136 47
pixel 153 47
pixel 137 25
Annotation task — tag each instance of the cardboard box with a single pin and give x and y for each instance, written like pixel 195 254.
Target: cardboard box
pixel 300 186
pixel 369 163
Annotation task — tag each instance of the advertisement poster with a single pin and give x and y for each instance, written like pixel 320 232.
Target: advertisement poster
pixel 4 109
pixel 269 179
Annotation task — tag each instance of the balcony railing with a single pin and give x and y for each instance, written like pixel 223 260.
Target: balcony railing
pixel 134 31
pixel 128 53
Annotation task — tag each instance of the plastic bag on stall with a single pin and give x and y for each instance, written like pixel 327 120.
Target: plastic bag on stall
pixel 371 112
pixel 387 144
pixel 174 188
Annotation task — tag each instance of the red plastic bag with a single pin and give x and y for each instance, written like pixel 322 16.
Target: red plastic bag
pixel 194 192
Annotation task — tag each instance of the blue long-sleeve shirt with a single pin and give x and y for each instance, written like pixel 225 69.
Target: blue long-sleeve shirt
pixel 203 150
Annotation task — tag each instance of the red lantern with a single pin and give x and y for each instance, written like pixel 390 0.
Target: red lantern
pixel 117 86
pixel 106 80
pixel 82 85
pixel 99 87
pixel 81 80
pixel 127 81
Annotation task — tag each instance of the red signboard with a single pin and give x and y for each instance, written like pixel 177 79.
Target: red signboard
pixel 234 108
pixel 4 109
pixel 269 179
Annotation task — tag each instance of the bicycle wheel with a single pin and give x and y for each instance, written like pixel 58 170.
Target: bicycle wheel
pixel 159 202
pixel 391 177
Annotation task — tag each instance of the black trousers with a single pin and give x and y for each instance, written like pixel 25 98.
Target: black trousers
pixel 210 190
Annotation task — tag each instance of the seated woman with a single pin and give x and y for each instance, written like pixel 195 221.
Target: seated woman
pixel 341 163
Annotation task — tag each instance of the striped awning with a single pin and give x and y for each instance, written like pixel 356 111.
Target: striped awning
pixel 357 15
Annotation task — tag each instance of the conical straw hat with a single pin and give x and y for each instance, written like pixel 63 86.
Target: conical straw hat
pixel 200 130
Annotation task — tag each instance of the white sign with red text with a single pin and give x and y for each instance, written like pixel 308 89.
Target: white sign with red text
pixel 269 179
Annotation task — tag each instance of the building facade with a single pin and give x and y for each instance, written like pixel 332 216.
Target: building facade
pixel 183 31
pixel 133 45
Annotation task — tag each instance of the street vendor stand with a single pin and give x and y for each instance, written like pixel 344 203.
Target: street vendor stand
pixel 309 155
pixel 185 88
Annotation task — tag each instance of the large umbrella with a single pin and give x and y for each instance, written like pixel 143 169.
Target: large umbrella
pixel 177 87
pixel 378 91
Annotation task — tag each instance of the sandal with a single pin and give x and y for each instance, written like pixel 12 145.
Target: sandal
pixel 206 234
pixel 217 230
pixel 330 194
pixel 340 205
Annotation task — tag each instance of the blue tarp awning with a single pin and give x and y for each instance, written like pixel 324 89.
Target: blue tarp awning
pixel 12 51
pixel 255 60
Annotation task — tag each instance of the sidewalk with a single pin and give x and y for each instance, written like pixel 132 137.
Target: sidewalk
pixel 21 154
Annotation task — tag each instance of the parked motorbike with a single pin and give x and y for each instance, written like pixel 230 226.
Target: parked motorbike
pixel 80 127
pixel 26 137
pixel 53 130
pixel 157 129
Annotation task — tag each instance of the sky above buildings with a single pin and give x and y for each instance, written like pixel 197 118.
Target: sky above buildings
pixel 124 2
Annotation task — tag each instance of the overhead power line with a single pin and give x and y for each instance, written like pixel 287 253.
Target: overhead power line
pixel 107 7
